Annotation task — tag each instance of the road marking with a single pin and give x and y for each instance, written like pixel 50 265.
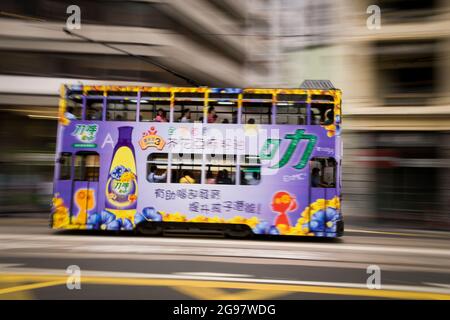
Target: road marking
pixel 35 274
pixel 279 288
pixel 347 289
pixel 20 295
pixel 27 287
pixel 271 287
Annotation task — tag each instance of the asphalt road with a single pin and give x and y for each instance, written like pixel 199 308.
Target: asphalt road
pixel 34 261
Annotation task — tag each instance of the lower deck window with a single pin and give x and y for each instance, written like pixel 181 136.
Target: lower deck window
pixel 87 166
pixel 157 166
pixel 208 169
pixel 250 167
pixel 323 172
pixel 65 166
pixel 186 168
pixel 221 169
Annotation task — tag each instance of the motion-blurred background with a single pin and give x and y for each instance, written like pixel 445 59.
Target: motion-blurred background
pixel 395 81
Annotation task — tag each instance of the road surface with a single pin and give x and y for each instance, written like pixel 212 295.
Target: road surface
pixel 34 262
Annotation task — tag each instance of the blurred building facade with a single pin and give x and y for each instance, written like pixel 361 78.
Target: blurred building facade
pixel 201 39
pixel 396 99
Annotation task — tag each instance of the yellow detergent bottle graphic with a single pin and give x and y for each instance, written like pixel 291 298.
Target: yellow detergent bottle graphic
pixel 121 187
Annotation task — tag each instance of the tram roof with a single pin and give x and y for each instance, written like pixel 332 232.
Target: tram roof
pixel 114 88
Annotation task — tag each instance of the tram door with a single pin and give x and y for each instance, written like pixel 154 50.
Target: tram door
pixel 85 186
pixel 63 182
pixel 323 179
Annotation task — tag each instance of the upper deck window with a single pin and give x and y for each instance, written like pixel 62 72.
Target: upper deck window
pixel 193 107
pixel 74 108
pixel 224 112
pixel 94 109
pixel 322 98
pixel 188 113
pixel 121 109
pixel 256 113
pixel 224 108
pixel 154 111
pixel 188 107
pixel 322 114
pixel 291 113
pixel 257 108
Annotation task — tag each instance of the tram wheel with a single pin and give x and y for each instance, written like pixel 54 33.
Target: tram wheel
pixel 238 232
pixel 149 230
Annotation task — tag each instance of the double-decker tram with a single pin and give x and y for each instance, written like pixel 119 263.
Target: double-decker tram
pixel 239 161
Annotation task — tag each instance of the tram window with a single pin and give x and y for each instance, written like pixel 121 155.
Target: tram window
pixel 291 113
pixel 121 110
pixel 256 113
pixel 298 98
pixel 155 95
pixel 322 114
pixel 156 111
pixel 189 111
pixel 157 165
pixel 94 109
pixel 220 169
pixel 65 166
pixel 322 97
pixel 74 108
pixel 250 167
pixel 186 168
pixel 323 172
pixel 87 166
pixel 225 105
pixel 222 112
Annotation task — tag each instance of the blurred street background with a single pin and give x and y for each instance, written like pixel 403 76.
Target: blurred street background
pixel 396 133
pixel 395 83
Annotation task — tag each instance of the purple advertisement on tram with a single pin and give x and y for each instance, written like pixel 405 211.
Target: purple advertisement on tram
pixel 275 179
